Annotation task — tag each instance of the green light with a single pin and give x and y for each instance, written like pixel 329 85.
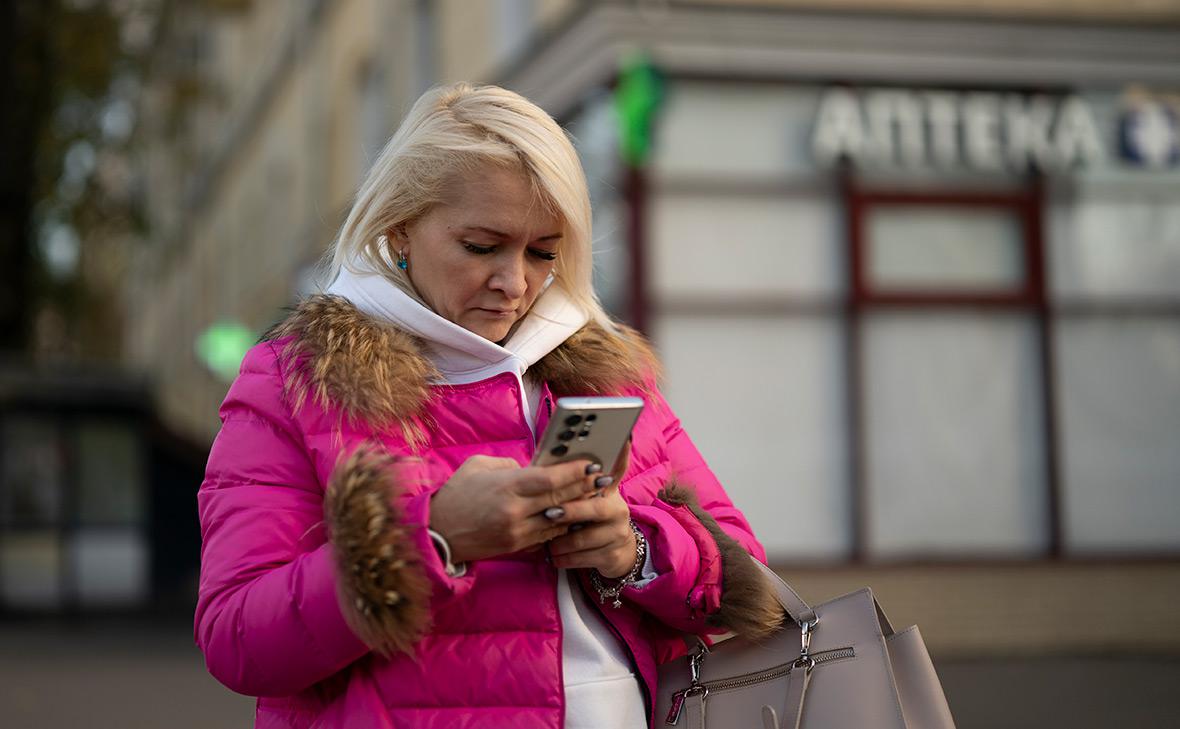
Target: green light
pixel 222 346
pixel 637 97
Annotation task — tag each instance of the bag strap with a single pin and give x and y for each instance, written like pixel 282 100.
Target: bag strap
pixel 799 610
pixel 796 692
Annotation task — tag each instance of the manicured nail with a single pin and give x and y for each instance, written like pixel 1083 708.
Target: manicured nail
pixel 553 513
pixel 593 468
pixel 603 481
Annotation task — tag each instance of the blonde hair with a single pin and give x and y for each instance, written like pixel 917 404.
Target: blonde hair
pixel 452 129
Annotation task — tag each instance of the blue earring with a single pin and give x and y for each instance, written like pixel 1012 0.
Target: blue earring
pixel 402 263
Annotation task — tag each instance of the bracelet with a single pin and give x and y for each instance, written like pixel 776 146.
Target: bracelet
pixel 444 552
pixel 614 590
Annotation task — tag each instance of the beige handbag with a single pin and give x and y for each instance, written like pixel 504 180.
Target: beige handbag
pixel 839 666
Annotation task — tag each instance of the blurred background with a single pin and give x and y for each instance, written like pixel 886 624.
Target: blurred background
pixel 930 248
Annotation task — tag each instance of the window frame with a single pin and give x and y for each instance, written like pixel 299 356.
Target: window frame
pixel 1027 203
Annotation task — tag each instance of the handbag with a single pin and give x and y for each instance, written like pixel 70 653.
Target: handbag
pixel 839 665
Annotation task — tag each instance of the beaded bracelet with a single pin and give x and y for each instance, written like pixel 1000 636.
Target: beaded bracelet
pixel 614 590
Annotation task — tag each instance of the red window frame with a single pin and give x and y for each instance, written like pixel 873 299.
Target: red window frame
pixel 1027 203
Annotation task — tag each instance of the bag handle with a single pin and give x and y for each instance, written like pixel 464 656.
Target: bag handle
pixel 796 608
pixel 799 610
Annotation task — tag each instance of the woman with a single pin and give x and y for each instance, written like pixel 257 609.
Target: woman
pixel 376 551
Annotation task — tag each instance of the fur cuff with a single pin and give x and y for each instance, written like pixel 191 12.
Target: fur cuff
pixel 749 606
pixel 384 591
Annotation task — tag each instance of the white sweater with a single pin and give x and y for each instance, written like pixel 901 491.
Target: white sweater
pixel 601 689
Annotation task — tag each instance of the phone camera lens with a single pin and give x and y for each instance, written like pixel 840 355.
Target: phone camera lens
pixel 566 435
pixel 575 419
pixel 591 418
pixel 583 434
pixel 560 450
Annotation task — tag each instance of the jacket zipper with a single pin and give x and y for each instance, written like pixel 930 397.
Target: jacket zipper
pixel 746 679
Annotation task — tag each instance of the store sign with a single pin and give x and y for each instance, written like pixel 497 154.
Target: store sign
pixel 980 131
pixel 1149 130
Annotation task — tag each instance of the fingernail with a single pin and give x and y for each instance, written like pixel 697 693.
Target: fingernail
pixel 593 468
pixel 603 481
pixel 554 512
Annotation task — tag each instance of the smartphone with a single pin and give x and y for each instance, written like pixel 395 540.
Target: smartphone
pixel 591 428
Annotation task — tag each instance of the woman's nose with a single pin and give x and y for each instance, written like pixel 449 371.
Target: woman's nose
pixel 510 278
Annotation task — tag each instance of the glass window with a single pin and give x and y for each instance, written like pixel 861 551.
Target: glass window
pixel 595 134
pixel 944 248
pixel 774 431
pixel 514 26
pixel 1119 409
pixel 372 119
pixel 955 447
pixel 745 246
pixel 110 473
pixel 30 569
pixel 1123 248
pixel 32 479
pixel 111 567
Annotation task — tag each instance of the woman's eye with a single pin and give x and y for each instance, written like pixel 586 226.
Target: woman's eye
pixel 544 255
pixel 478 250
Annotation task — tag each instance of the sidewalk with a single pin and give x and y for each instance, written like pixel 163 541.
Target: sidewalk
pixel 124 675
pixel 111 676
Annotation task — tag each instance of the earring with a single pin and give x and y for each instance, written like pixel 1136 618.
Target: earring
pixel 402 263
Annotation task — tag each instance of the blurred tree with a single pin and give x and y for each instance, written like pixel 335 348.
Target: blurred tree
pixel 67 80
pixel 24 107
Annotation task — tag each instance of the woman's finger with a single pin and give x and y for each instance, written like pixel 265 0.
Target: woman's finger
pixel 539 529
pixel 591 510
pixel 593 537
pixel 559 492
pixel 608 559
pixel 543 480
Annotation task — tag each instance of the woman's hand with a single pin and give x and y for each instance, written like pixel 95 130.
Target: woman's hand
pixel 606 543
pixel 491 506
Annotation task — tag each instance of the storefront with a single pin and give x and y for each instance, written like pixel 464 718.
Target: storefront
pixel 916 282
pixel 97 513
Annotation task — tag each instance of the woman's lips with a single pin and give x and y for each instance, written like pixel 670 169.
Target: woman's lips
pixel 498 313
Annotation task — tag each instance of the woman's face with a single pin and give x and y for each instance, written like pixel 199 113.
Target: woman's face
pixel 481 259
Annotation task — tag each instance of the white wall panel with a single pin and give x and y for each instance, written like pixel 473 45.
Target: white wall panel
pixel 1120 432
pixel 762 399
pixel 955 454
pixel 736 130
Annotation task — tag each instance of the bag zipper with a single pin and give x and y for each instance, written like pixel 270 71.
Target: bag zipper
pixel 746 679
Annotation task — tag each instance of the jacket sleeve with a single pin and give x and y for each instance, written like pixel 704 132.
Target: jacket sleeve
pixel 701 546
pixel 267 619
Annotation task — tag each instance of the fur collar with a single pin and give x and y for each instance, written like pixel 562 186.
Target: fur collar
pixel 371 370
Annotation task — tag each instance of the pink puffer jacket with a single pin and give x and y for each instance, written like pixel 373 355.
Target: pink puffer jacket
pixel 281 612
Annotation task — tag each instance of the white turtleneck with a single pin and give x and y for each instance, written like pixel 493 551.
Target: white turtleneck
pixel 601 689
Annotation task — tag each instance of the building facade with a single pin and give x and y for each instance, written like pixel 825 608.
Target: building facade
pixel 931 248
